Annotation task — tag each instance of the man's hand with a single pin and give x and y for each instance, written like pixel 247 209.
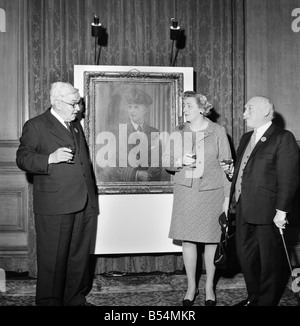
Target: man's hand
pixel 189 159
pixel 142 175
pixel 228 168
pixel 62 154
pixel 280 219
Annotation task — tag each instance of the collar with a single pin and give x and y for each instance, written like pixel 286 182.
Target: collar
pixel 135 125
pixel 58 117
pixel 207 131
pixel 261 130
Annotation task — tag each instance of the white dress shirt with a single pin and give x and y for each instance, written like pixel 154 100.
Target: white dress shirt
pixel 58 118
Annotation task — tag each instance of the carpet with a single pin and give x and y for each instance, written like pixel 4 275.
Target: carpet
pixel 158 289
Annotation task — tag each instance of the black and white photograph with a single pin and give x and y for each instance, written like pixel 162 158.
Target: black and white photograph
pixel 150 157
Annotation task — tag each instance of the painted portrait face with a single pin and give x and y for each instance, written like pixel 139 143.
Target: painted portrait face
pixel 136 112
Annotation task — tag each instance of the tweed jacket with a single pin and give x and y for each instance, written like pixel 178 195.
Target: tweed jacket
pixel 211 149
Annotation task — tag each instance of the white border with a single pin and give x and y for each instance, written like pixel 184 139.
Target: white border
pixel 139 223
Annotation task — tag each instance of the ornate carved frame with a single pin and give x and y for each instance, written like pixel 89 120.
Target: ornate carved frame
pixel 94 81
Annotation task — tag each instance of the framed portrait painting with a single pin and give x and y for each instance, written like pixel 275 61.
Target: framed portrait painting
pixel 128 114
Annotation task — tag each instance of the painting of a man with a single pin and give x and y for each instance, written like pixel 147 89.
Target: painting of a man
pixel 137 144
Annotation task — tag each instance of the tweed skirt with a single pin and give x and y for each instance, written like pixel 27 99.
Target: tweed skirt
pixel 195 214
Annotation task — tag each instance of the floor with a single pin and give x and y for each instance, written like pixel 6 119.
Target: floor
pixel 156 289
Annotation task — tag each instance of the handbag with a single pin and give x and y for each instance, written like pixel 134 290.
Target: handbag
pixel 225 251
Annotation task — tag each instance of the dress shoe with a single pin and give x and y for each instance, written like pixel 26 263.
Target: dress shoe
pixel 187 302
pixel 210 303
pixel 247 302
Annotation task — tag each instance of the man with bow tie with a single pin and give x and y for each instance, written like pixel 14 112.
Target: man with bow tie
pixel 65 201
pixel 264 183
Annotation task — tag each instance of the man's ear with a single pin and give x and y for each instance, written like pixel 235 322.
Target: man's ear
pixel 57 105
pixel 266 111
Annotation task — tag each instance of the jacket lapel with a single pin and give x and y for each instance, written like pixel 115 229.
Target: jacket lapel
pixel 57 129
pixel 75 132
pixel 265 137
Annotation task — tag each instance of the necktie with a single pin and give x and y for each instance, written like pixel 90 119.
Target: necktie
pixel 248 150
pixel 68 125
pixel 139 128
pixel 252 140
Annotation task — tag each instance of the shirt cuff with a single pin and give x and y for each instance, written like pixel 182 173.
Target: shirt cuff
pixel 278 210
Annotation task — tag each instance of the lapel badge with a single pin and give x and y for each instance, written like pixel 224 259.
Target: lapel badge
pixel 263 139
pixel 76 129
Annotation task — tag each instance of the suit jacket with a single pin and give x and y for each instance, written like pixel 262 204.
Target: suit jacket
pixel 215 148
pixel 270 177
pixel 57 188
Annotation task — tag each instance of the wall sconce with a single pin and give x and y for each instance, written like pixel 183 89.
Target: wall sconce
pixel 102 41
pixel 96 33
pixel 174 36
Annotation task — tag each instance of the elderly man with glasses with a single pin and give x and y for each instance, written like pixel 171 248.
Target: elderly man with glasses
pixel 53 150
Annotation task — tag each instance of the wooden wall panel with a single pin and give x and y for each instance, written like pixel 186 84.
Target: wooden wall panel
pixel 272 57
pixel 12 63
pixel 14 216
pixel 14 213
pixel 272 69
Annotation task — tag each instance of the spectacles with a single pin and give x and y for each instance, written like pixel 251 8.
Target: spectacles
pixel 72 104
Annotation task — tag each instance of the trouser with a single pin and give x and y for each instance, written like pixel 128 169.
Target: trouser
pixel 63 257
pixel 261 254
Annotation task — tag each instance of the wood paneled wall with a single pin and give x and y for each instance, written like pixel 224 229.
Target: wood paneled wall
pixel 273 70
pixel 272 57
pixel 14 111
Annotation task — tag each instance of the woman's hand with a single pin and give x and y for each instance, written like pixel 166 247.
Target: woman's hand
pixel 189 159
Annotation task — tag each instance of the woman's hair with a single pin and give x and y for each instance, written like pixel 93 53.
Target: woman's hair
pixel 201 101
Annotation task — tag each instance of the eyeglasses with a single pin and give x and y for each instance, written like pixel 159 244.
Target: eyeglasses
pixel 72 104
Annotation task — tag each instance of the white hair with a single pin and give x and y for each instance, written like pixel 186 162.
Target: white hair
pixel 61 89
pixel 268 104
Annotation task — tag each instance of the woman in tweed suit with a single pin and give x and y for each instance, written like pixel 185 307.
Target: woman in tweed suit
pixel 201 189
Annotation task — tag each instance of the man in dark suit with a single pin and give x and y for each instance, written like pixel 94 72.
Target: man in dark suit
pixel 53 149
pixel 264 182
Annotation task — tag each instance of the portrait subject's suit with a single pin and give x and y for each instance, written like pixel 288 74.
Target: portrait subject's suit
pixel 269 183
pixel 129 173
pixel 124 171
pixel 65 198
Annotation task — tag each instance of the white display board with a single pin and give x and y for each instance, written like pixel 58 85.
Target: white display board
pixel 134 223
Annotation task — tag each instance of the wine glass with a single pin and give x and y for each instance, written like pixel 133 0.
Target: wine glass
pixel 227 162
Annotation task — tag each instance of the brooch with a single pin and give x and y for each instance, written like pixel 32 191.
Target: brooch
pixel 76 130
pixel 263 139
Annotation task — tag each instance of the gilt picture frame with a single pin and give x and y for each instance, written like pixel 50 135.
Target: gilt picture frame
pixel 110 98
